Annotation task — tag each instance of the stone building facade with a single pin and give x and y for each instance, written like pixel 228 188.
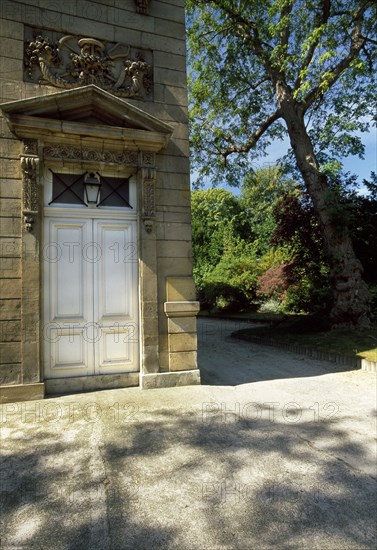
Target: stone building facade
pixel 95 228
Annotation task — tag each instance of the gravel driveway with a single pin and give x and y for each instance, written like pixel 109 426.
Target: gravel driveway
pixel 274 450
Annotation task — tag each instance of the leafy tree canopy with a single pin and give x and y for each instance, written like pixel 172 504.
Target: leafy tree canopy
pixel 322 50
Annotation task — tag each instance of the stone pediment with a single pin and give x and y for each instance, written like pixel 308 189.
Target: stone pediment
pixel 88 112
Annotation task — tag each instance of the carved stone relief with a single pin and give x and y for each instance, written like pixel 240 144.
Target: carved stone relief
pixel 30 147
pixel 68 61
pixel 68 152
pixel 148 158
pixel 30 192
pixel 149 197
pixel 142 6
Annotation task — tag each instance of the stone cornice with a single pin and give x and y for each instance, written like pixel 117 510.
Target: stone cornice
pixel 30 127
pixel 86 113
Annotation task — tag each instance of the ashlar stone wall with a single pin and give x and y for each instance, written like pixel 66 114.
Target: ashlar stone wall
pixel 139 31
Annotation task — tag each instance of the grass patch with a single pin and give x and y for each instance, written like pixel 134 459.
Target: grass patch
pixel 313 332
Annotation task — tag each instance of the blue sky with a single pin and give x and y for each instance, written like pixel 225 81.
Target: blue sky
pixel 361 167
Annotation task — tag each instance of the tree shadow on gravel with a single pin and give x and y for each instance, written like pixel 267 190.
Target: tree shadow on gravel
pixel 185 478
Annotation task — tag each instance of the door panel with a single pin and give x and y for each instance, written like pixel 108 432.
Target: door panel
pixel 90 308
pixel 67 299
pixel 115 284
pixel 69 274
pixel 69 350
pixel 114 274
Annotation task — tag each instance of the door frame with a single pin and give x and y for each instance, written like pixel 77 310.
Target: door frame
pixel 79 212
pixel 92 351
pixel 142 166
pixel 116 135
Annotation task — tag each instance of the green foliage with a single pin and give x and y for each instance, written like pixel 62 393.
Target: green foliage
pixel 373 293
pixel 259 192
pixel 266 245
pixel 231 283
pixel 311 293
pixel 307 273
pixel 236 280
pixel 232 250
pixel 298 231
pixel 238 51
pixel 218 222
pixel 227 236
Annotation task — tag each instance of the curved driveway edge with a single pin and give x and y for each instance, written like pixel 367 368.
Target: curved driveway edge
pixel 333 357
pixel 274 450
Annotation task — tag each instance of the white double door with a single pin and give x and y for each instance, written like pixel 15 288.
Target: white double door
pixel 90 324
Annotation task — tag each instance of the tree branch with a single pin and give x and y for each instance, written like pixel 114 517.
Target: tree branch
pixel 253 138
pixel 322 20
pixel 248 87
pixel 248 84
pixel 367 39
pixel 285 33
pixel 330 77
pixel 248 30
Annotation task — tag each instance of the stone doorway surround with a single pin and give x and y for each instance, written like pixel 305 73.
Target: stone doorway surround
pixel 89 128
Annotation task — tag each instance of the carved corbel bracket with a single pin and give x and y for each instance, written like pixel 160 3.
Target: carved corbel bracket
pixel 142 6
pixel 148 224
pixel 30 147
pixel 149 173
pixel 29 219
pixel 30 192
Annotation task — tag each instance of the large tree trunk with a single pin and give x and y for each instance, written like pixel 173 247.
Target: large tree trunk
pixel 351 306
